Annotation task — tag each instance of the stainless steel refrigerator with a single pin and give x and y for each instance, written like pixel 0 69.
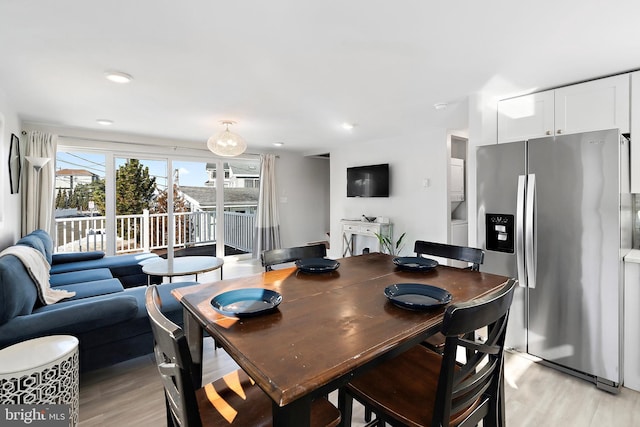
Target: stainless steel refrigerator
pixel 555 213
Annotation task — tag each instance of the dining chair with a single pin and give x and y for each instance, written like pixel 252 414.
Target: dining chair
pixel 471 255
pixel 233 400
pixel 474 256
pixel 281 256
pixel 423 388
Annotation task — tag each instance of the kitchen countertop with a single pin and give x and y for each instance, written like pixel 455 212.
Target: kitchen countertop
pixel 633 256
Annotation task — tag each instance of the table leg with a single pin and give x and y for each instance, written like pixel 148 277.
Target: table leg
pixel 220 272
pixel 194 334
pixel 296 413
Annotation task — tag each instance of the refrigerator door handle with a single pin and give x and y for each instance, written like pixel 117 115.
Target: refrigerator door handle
pixel 530 250
pixel 520 253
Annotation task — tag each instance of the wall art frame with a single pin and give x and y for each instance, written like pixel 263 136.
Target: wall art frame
pixel 15 164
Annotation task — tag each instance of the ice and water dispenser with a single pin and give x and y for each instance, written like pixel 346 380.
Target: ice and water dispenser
pixel 500 232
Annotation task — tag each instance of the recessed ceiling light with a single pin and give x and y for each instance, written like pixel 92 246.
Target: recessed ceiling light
pixel 278 144
pixel 118 77
pixel 348 126
pixel 440 106
pixel 104 122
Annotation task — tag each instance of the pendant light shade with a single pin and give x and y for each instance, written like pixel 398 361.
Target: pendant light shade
pixel 227 143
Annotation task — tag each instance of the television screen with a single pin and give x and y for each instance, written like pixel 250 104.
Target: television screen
pixel 368 181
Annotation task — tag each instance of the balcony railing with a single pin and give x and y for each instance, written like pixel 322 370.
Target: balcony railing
pixel 148 232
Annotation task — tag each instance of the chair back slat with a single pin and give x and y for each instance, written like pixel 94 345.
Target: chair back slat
pixel 281 256
pixel 474 256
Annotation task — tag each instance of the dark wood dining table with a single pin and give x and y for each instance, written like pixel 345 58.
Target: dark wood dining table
pixel 329 327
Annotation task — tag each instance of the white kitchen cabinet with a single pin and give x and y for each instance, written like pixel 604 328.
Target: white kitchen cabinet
pixel 635 130
pixel 595 105
pixel 525 117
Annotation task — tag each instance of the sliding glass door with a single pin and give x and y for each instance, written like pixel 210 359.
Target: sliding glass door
pixel 166 205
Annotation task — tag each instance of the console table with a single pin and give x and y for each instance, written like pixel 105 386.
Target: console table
pixel 353 228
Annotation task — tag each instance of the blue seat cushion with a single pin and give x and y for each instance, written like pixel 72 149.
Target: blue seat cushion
pixel 66 257
pixel 89 315
pixel 115 263
pixel 91 289
pixel 80 276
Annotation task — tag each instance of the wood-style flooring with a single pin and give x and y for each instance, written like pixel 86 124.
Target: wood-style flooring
pixel 131 394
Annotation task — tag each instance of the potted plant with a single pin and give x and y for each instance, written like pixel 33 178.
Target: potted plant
pixel 388 246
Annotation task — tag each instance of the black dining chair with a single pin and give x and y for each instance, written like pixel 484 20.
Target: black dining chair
pixel 423 388
pixel 471 255
pixel 280 256
pixel 474 256
pixel 233 400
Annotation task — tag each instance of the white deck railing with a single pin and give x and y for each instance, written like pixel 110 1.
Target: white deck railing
pixel 147 232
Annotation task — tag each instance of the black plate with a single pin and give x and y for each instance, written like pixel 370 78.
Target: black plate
pixel 415 263
pixel 317 265
pixel 246 302
pixel 416 296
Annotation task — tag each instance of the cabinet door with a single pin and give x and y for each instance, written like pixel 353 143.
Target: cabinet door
pixel 596 105
pixel 525 117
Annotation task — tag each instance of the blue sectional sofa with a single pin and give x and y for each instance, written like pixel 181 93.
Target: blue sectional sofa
pixel 107 313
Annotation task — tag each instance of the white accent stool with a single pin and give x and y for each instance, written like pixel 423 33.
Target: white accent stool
pixel 41 371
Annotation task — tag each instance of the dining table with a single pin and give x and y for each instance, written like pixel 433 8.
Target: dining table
pixel 329 327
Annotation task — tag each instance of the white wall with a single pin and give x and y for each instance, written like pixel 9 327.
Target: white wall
pixel 303 188
pixel 10 211
pixel 420 212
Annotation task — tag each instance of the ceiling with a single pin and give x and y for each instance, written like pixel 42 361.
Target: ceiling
pixel 293 71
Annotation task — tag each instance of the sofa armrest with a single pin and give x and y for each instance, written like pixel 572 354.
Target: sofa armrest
pixel 72 318
pixel 66 257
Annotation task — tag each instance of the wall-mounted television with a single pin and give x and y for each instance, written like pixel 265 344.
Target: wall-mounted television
pixel 368 181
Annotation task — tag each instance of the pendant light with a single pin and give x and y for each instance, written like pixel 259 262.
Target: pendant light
pixel 227 143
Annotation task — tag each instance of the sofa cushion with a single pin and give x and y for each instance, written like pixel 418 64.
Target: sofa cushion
pixel 68 257
pixel 33 242
pixel 72 318
pixel 80 276
pixel 18 294
pixel 115 263
pixel 92 289
pixel 47 243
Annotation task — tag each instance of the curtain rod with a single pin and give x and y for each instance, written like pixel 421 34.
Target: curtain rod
pixel 175 147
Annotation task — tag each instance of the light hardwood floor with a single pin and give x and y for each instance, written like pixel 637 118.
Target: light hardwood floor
pixel 131 394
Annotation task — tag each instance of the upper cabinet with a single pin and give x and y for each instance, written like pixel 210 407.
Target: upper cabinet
pixel 594 105
pixel 525 117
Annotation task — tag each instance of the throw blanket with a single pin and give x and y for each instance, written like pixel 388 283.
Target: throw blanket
pixel 38 267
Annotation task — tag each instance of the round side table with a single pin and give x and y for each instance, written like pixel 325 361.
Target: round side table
pixel 41 371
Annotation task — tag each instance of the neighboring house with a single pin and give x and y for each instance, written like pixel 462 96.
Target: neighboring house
pixel 68 179
pixel 236 199
pixel 236 174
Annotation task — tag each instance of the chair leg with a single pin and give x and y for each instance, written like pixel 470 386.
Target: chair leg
pixel 345 405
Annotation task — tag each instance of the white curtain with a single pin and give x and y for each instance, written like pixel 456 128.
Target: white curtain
pixel 38 187
pixel 267 231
